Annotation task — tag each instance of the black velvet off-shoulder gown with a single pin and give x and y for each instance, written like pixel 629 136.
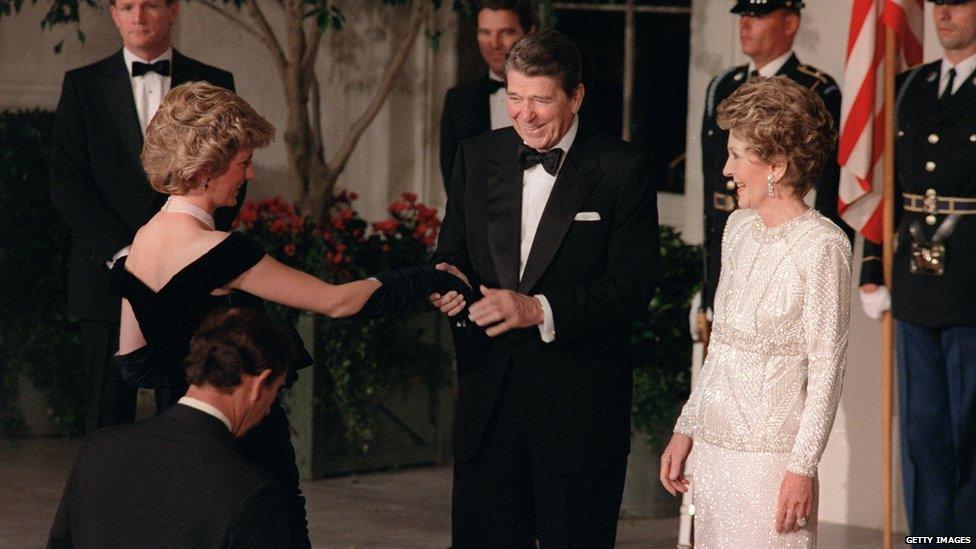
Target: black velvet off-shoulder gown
pixel 169 317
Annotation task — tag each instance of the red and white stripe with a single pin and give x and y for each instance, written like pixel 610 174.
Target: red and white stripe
pixel 862 111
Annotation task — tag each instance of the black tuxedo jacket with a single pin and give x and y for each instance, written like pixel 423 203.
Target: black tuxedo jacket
pixel 175 480
pixel 97 182
pixel 935 148
pixel 466 114
pixel 598 276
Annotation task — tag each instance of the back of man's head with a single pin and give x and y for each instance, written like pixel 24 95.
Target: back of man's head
pixel 233 342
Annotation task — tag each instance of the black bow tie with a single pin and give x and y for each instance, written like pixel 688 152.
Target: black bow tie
pixel 159 67
pixel 529 157
pixel 494 85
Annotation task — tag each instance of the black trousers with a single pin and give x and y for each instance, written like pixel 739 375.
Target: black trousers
pixel 510 496
pixel 937 401
pixel 111 401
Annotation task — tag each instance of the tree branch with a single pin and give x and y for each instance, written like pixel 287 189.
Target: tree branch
pixel 418 9
pixel 316 99
pixel 315 40
pixel 268 36
pixel 236 20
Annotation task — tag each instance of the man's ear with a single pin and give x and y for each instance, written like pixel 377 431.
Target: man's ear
pixel 260 383
pixel 577 97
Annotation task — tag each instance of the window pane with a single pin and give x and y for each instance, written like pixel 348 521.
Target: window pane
pixel 661 94
pixel 599 36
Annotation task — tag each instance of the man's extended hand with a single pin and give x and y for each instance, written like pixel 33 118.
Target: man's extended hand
pixel 503 310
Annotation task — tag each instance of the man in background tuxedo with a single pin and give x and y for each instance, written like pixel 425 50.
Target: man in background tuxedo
pixel 478 106
pixel 556 225
pixel 97 182
pixel 176 480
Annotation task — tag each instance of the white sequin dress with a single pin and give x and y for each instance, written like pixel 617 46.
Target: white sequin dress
pixel 768 392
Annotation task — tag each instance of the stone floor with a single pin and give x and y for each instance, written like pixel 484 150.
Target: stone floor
pixel 409 508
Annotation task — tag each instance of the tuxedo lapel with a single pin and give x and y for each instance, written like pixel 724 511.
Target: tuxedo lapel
pixel 576 180
pixel 182 71
pixel 117 89
pixel 503 206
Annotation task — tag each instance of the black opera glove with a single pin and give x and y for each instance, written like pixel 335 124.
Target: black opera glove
pixel 403 288
pixel 141 368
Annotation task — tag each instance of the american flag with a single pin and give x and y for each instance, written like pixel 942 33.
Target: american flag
pixel 862 111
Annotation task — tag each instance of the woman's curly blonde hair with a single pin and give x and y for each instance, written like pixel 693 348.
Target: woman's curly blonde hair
pixel 780 119
pixel 198 129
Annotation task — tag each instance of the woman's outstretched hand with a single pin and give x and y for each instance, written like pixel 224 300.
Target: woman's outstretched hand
pixel 452 302
pixel 673 463
pixel 795 503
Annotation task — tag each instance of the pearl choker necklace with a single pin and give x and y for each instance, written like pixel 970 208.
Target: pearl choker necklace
pixel 178 205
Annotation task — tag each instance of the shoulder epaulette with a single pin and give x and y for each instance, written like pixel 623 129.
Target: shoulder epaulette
pixel 819 77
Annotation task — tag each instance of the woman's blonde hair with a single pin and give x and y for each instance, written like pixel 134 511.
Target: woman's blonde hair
pixel 198 129
pixel 780 119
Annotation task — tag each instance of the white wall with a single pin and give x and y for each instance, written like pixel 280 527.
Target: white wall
pixel 851 471
pixel 397 153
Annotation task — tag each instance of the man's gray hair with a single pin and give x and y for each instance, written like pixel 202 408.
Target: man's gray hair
pixel 547 53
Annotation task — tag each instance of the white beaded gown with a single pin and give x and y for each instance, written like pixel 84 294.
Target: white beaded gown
pixel 769 388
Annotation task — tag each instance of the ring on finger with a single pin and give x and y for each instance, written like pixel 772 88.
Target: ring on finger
pixel 801 522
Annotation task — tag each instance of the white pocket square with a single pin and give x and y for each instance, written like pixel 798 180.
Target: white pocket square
pixel 587 216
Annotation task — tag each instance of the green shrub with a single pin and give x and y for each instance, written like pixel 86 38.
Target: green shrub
pixel 36 336
pixel 662 377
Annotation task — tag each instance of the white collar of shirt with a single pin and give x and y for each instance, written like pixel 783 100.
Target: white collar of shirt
pixel 773 67
pixel 147 90
pixel 205 408
pixel 498 105
pixel 964 69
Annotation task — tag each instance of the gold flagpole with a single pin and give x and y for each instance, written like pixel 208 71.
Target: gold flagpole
pixel 888 324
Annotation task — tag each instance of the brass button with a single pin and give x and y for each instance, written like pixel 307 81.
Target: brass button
pixel 730 185
pixel 933 138
pixel 901 133
pixel 930 166
pixel 973 138
pixel 930 219
pixel 712 132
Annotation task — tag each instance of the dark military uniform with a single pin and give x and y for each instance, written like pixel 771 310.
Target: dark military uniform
pixel 934 299
pixel 720 198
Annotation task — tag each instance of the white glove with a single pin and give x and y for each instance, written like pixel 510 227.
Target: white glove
pixel 875 303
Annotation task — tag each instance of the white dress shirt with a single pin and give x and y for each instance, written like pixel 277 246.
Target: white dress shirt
pixel 536 187
pixel 205 408
pixel 773 67
pixel 964 69
pixel 498 105
pixel 149 89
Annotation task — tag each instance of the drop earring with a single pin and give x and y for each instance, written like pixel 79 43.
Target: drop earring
pixel 769 185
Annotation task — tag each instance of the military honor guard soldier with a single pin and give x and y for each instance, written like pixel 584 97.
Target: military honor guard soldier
pixel 933 294
pixel 766 32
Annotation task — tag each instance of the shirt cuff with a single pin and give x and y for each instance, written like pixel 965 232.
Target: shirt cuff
pixel 123 252
pixel 547 330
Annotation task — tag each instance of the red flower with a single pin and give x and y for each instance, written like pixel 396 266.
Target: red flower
pixel 409 197
pixel 289 250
